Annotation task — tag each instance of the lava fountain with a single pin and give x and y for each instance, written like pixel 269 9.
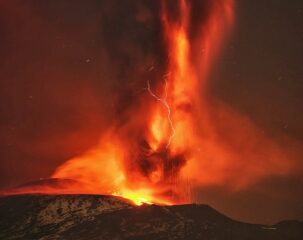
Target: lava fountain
pixel 174 137
pixel 143 160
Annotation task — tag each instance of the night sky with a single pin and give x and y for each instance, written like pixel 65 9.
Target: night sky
pixel 59 89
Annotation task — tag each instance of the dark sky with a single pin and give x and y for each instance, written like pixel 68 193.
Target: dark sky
pixel 260 74
pixel 58 89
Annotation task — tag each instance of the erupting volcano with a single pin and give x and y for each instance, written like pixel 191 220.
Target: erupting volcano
pixel 145 159
pixel 172 136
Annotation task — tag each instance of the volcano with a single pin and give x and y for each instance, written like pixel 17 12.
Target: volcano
pixel 164 135
pixel 77 217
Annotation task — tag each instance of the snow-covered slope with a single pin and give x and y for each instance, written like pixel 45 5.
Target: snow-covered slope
pixel 89 217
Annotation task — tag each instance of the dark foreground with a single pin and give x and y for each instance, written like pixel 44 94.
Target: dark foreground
pixel 90 217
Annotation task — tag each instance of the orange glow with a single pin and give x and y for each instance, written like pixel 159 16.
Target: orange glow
pixel 143 160
pixel 137 197
pixel 174 138
pixel 151 173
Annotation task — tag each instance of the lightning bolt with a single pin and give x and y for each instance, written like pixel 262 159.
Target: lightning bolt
pixel 164 102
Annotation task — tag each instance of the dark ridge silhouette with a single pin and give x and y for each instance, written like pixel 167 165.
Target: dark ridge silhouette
pixel 92 217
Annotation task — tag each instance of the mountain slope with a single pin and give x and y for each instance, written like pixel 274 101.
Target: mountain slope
pixel 107 217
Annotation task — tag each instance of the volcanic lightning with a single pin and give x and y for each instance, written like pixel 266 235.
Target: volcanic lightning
pixel 167 107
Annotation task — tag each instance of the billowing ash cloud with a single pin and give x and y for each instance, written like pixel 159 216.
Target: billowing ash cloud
pixel 86 88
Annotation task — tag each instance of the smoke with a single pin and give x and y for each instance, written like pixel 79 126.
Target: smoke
pixel 77 103
pixel 53 95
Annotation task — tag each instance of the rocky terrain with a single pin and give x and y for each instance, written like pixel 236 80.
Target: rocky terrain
pixel 89 217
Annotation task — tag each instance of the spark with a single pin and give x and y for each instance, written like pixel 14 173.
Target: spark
pixel 167 107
